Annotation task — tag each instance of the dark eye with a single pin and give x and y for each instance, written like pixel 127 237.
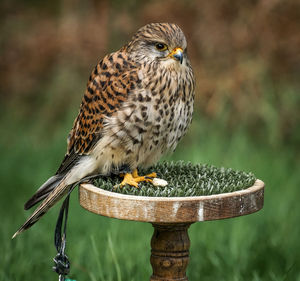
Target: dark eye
pixel 161 46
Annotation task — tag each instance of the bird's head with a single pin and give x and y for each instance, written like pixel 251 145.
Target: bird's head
pixel 163 43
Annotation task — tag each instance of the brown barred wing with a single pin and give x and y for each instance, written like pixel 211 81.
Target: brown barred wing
pixel 108 87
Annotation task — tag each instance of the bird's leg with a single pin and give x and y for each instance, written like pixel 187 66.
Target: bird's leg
pixel 133 178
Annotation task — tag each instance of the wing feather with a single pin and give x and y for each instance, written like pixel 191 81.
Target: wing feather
pixel 109 85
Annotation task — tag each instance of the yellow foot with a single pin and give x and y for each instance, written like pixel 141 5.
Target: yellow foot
pixel 133 179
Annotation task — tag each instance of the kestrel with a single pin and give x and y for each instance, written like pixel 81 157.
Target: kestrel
pixel 137 106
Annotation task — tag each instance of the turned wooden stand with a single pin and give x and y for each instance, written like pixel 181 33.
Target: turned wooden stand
pixel 171 218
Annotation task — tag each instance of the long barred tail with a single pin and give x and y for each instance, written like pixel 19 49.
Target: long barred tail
pixel 59 190
pixel 44 191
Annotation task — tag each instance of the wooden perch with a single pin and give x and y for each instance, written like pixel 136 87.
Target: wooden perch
pixel 171 218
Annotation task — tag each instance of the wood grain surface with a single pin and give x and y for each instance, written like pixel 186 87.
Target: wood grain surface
pixel 170 246
pixel 172 209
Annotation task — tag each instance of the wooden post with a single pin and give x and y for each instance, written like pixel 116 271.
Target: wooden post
pixel 170 246
pixel 171 218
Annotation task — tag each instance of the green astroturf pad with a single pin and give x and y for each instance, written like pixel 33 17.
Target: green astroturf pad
pixel 184 179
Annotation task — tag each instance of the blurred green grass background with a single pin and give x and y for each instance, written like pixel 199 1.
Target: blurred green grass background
pixel 247 63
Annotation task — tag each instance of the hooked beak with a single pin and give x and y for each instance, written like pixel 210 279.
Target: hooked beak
pixel 177 54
